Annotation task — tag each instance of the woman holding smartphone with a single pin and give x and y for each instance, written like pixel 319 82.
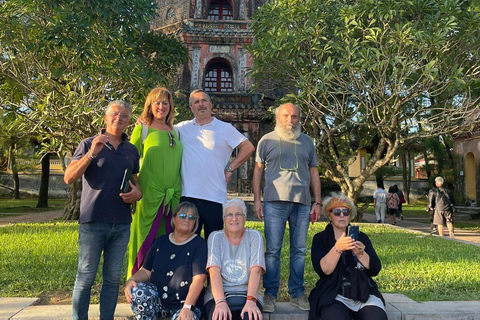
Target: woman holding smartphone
pixel 345 289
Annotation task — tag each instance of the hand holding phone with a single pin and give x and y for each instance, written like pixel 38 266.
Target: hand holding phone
pixel 353 232
pixel 127 176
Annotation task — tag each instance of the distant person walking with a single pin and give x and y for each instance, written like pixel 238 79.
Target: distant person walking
pixel 392 203
pixel 380 203
pixel 441 201
pixel 401 196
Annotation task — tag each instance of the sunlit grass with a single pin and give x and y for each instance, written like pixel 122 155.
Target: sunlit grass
pixel 39 258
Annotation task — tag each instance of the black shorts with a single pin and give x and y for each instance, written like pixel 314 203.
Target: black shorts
pixel 392 212
pixel 441 217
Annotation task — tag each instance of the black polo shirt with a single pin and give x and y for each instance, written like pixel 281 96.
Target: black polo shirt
pixel 102 180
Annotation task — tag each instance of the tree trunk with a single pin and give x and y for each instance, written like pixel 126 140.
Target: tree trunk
pixel 72 208
pixel 405 174
pixel 43 193
pixel 13 165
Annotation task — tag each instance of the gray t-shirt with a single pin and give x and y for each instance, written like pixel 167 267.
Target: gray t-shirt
pixel 235 262
pixel 287 177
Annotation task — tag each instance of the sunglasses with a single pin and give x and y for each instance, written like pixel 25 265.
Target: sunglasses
pixel 183 216
pixel 338 212
pixel 171 139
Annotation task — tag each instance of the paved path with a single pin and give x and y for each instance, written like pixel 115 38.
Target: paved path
pixel 461 235
pixel 42 216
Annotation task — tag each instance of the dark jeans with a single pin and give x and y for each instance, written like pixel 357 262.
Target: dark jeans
pixel 210 307
pixel 210 213
pixel 339 311
pixel 95 238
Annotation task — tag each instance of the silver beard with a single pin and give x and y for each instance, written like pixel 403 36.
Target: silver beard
pixel 288 134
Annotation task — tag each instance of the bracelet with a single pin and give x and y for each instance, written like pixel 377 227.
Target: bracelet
pixel 359 256
pixel 337 251
pixel 220 301
pixel 252 298
pixel 131 278
pixel 317 204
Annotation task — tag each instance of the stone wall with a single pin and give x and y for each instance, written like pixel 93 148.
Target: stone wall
pixel 30 185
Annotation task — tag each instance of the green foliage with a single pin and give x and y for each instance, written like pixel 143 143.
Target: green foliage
pixel 370 74
pixel 62 61
pixel 423 268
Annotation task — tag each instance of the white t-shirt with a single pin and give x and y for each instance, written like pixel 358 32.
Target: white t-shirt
pixel 206 152
pixel 235 262
pixel 380 195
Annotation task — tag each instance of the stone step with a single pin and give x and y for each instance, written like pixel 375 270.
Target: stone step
pixel 399 307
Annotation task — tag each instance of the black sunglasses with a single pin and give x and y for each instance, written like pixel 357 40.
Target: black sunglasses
pixel 183 216
pixel 171 139
pixel 337 212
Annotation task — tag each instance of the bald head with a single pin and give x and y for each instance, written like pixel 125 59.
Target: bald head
pixel 287 115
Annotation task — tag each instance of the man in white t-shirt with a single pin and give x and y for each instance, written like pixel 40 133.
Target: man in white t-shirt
pixel 207 146
pixel 380 203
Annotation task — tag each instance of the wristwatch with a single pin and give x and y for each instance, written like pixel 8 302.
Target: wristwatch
pixel 229 168
pixel 91 156
pixel 189 306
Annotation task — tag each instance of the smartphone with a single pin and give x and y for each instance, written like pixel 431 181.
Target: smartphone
pixel 127 176
pixel 353 232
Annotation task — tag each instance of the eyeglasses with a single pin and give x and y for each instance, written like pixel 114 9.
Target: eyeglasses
pixel 280 157
pixel 183 216
pixel 171 139
pixel 337 212
pixel 232 215
pixel 123 116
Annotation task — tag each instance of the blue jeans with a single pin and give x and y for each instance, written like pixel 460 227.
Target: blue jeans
pixel 276 214
pixel 93 238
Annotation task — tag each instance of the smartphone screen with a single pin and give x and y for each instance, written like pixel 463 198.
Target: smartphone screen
pixel 353 232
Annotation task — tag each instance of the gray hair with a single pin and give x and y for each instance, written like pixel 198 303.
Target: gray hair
pixel 195 92
pixel 184 207
pixel 339 197
pixel 234 203
pixel 120 103
pixel 439 181
pixel 277 109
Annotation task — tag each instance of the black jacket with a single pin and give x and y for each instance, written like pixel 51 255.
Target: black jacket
pixel 328 286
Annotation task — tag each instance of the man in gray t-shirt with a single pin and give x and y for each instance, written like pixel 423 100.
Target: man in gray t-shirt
pixel 289 160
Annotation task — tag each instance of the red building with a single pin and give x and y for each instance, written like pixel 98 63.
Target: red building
pixel 216 33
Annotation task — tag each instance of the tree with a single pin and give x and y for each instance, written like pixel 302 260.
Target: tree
pixel 68 58
pixel 370 73
pixel 13 145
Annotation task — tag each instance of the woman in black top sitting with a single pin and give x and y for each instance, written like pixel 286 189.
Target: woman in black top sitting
pixel 170 282
pixel 346 289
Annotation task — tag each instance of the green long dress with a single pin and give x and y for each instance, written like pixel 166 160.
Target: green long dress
pixel 159 178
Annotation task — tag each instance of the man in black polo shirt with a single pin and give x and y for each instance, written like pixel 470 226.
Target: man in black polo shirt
pixel 105 213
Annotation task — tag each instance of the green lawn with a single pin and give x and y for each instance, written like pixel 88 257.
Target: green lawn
pixel 37 259
pixel 28 205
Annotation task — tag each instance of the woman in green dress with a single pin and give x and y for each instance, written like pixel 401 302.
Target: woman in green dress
pixel 161 153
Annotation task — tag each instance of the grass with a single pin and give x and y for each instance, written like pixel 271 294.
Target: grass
pixel 41 260
pixel 28 205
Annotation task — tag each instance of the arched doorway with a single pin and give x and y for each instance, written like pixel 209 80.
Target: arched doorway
pixel 470 176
